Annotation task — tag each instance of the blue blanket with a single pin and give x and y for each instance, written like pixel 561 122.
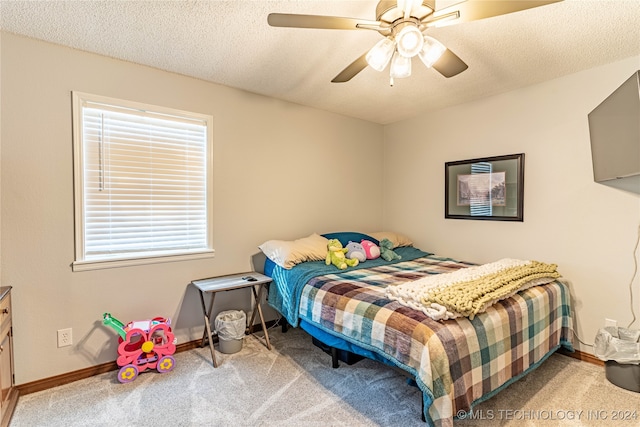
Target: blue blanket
pixel 289 283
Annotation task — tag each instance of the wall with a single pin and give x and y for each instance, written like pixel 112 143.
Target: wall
pixel 0 155
pixel 276 172
pixel 588 229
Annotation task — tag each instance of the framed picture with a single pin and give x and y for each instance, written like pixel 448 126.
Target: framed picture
pixel 490 188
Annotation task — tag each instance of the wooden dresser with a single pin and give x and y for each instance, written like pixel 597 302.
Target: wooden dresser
pixel 9 393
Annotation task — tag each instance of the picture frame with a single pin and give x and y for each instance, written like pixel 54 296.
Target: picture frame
pixel 488 188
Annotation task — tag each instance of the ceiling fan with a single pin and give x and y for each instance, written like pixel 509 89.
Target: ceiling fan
pixel 403 24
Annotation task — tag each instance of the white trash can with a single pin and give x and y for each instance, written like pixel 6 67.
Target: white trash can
pixel 230 325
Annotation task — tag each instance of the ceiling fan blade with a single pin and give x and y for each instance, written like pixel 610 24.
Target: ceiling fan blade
pixel 320 22
pixel 450 64
pixel 352 69
pixel 475 10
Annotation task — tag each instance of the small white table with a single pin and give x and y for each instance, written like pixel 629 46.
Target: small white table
pixel 213 285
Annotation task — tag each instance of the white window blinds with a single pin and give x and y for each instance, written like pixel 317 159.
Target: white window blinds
pixel 144 182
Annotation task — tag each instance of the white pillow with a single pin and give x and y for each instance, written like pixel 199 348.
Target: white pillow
pixel 396 238
pixel 289 253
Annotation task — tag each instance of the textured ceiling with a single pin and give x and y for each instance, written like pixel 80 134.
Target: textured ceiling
pixel 230 43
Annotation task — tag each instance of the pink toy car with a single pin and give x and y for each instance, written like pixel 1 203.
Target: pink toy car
pixel 146 344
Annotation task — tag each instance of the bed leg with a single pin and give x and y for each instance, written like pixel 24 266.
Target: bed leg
pixel 334 358
pixel 285 326
pixel 424 420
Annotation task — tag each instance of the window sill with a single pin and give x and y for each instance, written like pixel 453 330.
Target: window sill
pixel 116 263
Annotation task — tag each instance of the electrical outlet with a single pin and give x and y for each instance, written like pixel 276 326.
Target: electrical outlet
pixel 65 337
pixel 610 323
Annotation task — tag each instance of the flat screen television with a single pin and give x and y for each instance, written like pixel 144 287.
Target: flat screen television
pixel 614 126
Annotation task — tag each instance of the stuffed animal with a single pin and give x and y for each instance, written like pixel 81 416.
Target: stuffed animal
pixel 386 250
pixel 356 251
pixel 371 250
pixel 336 255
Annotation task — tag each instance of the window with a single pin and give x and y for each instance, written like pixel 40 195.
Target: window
pixel 142 175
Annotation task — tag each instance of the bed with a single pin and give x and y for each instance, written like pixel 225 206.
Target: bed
pixel 456 363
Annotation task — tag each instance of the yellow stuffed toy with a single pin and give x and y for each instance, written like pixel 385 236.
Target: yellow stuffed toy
pixel 336 256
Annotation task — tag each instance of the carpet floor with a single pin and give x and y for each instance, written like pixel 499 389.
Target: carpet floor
pixel 294 385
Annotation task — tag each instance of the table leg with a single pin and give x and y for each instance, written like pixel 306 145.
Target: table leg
pixel 207 326
pixel 255 309
pixel 213 352
pixel 257 297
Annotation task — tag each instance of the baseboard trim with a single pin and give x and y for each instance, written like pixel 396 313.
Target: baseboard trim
pixel 581 355
pixel 81 374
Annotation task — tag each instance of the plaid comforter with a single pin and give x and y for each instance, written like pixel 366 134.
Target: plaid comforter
pixel 455 362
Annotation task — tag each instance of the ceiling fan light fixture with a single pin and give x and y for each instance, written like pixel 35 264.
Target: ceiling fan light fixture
pixel 380 54
pixel 402 22
pixel 410 41
pixel 431 51
pixel 400 66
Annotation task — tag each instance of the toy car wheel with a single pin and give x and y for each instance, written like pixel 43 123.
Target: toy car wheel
pixel 166 364
pixel 127 373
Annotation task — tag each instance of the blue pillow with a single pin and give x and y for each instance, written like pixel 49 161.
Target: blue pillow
pixel 350 236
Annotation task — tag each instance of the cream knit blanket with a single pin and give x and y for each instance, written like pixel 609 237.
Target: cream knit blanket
pixel 469 291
